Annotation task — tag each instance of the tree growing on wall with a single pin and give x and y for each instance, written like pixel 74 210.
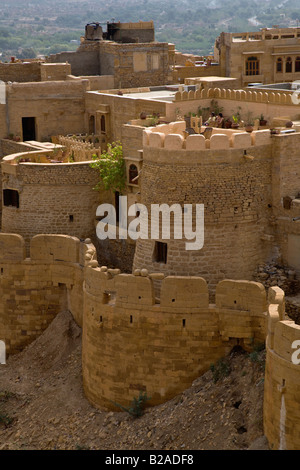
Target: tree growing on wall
pixel 111 167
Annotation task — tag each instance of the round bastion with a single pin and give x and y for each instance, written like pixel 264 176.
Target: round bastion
pixel 230 174
pixel 42 194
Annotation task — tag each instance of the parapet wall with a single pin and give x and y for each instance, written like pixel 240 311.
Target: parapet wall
pixel 172 137
pixel 270 104
pixel 282 380
pixel 236 95
pixel 53 197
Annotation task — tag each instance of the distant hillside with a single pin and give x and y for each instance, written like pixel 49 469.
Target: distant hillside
pixel 49 26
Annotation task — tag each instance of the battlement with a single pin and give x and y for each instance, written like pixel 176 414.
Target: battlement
pixel 133 341
pixel 173 137
pixel 235 95
pixel 281 406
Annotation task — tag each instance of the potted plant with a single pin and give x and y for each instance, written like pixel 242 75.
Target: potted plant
pixel 262 120
pixel 228 123
pixel 249 122
pixel 235 123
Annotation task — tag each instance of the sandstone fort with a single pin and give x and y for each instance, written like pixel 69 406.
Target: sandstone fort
pixel 154 315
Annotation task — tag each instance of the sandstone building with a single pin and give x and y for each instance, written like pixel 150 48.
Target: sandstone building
pixel 172 312
pixel 267 56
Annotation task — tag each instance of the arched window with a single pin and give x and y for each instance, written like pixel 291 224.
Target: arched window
pixel 92 125
pixel 297 64
pixel 252 66
pixel 133 173
pixel 288 65
pixel 103 126
pixel 279 64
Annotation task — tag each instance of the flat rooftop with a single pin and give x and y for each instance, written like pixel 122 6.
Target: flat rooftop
pixel 161 95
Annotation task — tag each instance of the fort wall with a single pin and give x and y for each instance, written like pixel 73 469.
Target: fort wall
pixel 66 188
pixel 134 342
pixel 161 348
pixel 232 177
pixel 282 380
pixel 34 290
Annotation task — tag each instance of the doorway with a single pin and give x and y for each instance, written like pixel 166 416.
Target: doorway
pixel 28 128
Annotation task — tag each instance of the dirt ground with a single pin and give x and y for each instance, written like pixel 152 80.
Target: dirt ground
pixel 43 407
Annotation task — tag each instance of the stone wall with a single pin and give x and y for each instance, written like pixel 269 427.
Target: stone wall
pixel 270 104
pixel 53 197
pixel 84 61
pixel 35 71
pixel 231 176
pixel 57 106
pixel 119 110
pixel 134 342
pixel 181 72
pixel 282 379
pixel 286 197
pixel 137 65
pixel 33 290
pixel 20 72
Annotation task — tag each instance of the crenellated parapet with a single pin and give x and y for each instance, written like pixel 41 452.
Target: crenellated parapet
pixel 173 137
pixel 134 341
pixel 282 377
pixel 235 95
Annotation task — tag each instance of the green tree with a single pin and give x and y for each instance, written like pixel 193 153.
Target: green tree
pixel 111 167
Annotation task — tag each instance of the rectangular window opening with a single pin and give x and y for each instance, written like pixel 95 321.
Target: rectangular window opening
pixel 10 198
pixel 160 252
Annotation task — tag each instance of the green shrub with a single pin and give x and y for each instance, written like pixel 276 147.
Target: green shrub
pixel 111 167
pixel 137 406
pixel 220 369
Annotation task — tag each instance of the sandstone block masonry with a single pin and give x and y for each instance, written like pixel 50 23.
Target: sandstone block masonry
pixel 244 182
pixel 51 197
pixel 133 342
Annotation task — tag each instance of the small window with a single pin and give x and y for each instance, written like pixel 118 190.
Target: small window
pixel 288 65
pixel 160 252
pixel 103 126
pixel 297 64
pixel 92 128
pixel 252 66
pixel 10 197
pixel 133 173
pixel 279 64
